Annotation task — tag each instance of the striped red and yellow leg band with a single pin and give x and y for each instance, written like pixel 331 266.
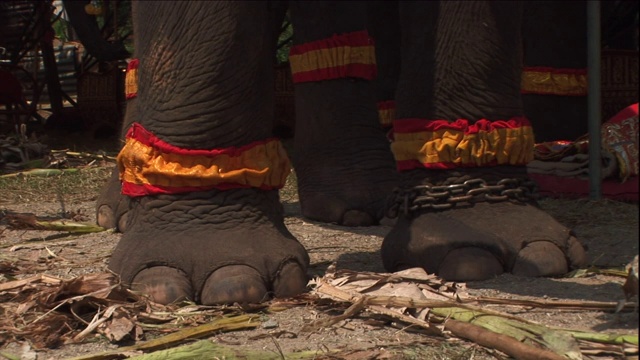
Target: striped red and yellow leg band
pixel 131 79
pixel 440 144
pixel 554 81
pixel 150 166
pixel 386 112
pixel 340 56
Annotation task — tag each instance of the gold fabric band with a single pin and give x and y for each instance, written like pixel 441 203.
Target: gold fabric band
pixel 550 81
pixel 149 163
pixel 451 147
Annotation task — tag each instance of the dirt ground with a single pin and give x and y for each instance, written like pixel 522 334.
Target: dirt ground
pixel 609 229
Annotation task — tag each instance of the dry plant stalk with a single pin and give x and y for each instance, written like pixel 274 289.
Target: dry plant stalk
pixel 546 304
pixel 504 343
pixel 30 221
pixel 515 336
pixel 224 324
pixel 362 301
pixel 42 278
pixel 40 172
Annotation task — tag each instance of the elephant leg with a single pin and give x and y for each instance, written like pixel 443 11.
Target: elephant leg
pixel 342 159
pixel 556 51
pixel 383 23
pixel 459 139
pixel 111 206
pixel 202 173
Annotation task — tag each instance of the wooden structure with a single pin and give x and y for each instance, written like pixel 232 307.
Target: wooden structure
pixel 34 73
pixel 26 30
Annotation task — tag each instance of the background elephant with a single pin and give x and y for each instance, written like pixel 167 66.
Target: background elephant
pixel 555 38
pixel 204 220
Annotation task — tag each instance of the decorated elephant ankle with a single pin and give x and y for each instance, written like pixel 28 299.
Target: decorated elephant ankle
pixel 210 247
pixel 475 224
pixel 199 164
pixel 206 225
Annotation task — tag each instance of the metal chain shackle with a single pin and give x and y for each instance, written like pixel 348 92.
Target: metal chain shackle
pixel 459 191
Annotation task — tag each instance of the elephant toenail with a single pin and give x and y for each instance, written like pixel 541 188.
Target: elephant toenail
pixel 470 264
pixel 540 258
pixel 292 280
pixel 122 222
pixel 163 284
pixel 106 217
pixel 577 253
pixel 234 283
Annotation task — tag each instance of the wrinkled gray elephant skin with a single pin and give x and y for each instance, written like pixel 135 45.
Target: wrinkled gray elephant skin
pixel 206 83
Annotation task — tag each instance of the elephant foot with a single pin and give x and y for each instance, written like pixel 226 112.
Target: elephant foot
pixel 540 258
pixel 341 153
pixel 214 247
pixel 344 190
pixel 112 206
pixel 347 181
pixel 341 209
pixel 477 239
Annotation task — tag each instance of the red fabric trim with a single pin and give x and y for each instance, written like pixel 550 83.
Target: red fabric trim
pixel 131 96
pixel 527 92
pixel 357 38
pixel 555 70
pixel 133 64
pixel 571 187
pixel 386 105
pixel 365 71
pixel 404 165
pixel 418 125
pixel 136 190
pixel 551 70
pixel 629 111
pixel 353 39
pixel 139 133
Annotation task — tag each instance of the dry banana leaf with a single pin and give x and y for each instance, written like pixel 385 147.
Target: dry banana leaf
pixel 429 304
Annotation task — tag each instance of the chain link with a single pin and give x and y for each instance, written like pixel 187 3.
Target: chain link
pixel 462 192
